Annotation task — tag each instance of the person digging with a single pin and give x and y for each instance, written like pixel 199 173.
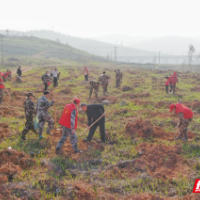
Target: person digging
pixel 29 112
pixel 68 121
pixel 185 117
pixel 96 117
pixel 43 115
pixel 2 87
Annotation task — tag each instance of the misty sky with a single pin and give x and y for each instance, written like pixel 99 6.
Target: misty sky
pixel 93 18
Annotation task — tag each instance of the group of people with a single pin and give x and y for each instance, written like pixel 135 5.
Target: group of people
pixel 68 120
pixel 47 78
pixel 171 82
pixel 69 117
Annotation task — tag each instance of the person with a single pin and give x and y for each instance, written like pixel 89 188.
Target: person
pixel 68 121
pixel 118 76
pixel 94 86
pixel 86 73
pixel 185 117
pixel 58 78
pixel 46 79
pixel 42 112
pixel 55 77
pixel 94 111
pixel 2 87
pixel 167 84
pixel 19 71
pixel 103 79
pixel 174 81
pixel 5 76
pixel 9 75
pixel 29 112
pixel 170 83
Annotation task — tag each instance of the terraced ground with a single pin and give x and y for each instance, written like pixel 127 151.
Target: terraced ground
pixel 140 160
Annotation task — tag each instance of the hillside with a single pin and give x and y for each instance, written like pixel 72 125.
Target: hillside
pixel 88 45
pixel 140 159
pixel 32 47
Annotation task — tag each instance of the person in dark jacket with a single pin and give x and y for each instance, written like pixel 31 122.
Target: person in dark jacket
pixel 19 71
pixel 94 111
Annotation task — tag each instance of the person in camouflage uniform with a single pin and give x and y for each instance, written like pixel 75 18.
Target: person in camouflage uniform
pixel 103 79
pixel 42 112
pixel 185 117
pixel 94 86
pixel 118 76
pixel 29 111
pixel 1 88
pixel 46 79
pixel 68 121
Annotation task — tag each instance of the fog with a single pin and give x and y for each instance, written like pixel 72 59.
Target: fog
pixel 165 26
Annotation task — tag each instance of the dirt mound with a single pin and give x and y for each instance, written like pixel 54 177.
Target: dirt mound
pixel 195 89
pixel 126 88
pixel 4 130
pixel 163 161
pixel 196 104
pixel 140 95
pixel 112 99
pixel 145 129
pixel 12 162
pixel 124 111
pixel 66 91
pixel 72 85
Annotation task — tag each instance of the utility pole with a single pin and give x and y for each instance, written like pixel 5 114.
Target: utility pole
pixel 115 49
pixel 1 35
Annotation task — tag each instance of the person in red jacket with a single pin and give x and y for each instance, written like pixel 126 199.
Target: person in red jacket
pixel 174 81
pixel 9 75
pixel 86 73
pixel 5 76
pixel 69 122
pixel 2 86
pixel 185 117
pixel 167 84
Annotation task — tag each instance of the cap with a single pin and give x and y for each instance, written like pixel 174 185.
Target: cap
pixel 76 101
pixel 172 106
pixel 83 104
pixel 46 92
pixel 30 94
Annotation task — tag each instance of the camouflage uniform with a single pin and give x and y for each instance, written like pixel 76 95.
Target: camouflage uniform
pixel 42 112
pixel 183 124
pixel 29 111
pixel 46 78
pixel 118 77
pixel 95 87
pixel 67 132
pixel 103 79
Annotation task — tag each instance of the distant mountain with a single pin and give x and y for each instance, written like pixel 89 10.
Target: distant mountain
pixel 89 45
pixel 123 40
pixel 169 45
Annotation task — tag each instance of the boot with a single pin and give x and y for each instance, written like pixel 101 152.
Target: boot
pixel 177 138
pixel 77 151
pixel 184 139
pixel 49 133
pixel 57 151
pixel 23 137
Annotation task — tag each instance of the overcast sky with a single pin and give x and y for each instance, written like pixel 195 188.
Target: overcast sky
pixel 93 18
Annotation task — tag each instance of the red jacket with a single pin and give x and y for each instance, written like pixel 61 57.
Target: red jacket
pixel 1 86
pixel 167 82
pixel 170 80
pixel 65 119
pixel 187 113
pixel 86 70
pixel 5 75
pixel 174 78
